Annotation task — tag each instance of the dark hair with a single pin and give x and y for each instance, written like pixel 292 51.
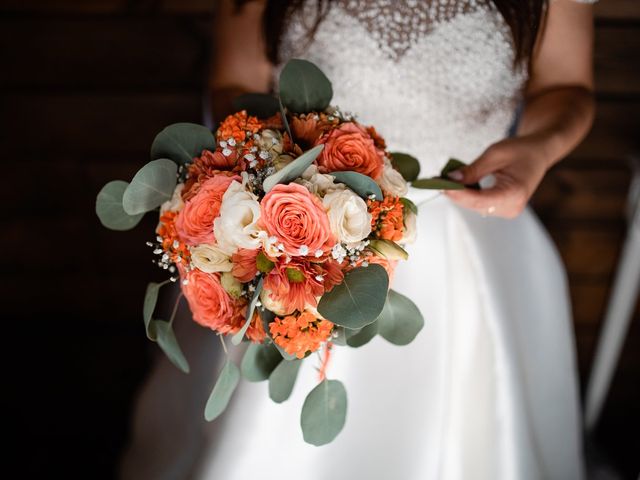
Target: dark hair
pixel 524 17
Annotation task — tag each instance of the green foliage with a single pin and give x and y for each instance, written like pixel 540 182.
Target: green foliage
pixel 388 249
pixel 293 170
pixel 222 391
pixel 282 380
pixel 409 206
pixel 363 336
pixel 436 183
pixel 181 142
pixel 259 361
pixel 150 187
pixel 169 344
pixel 400 320
pixel 324 412
pixel 237 338
pixel 304 88
pixel 407 165
pixel 359 183
pixel 109 207
pixel 358 300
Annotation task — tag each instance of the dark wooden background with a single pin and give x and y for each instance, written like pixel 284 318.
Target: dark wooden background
pixel 85 86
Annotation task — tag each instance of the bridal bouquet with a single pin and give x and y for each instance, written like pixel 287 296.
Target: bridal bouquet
pixel 282 228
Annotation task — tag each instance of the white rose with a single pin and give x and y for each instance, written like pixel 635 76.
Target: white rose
pixel 271 304
pixel 236 226
pixel 175 204
pixel 211 258
pixel 409 234
pixel 348 216
pixel 392 182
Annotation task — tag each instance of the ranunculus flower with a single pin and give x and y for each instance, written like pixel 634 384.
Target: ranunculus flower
pixel 211 258
pixel 195 221
pixel 273 305
pixel 349 147
pixel 210 304
pixel 297 220
pixel 348 216
pixel 392 182
pixel 237 225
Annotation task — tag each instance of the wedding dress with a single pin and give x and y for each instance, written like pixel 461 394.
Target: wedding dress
pixel 488 389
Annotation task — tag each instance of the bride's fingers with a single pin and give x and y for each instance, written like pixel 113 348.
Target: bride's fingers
pixel 492 160
pixel 496 201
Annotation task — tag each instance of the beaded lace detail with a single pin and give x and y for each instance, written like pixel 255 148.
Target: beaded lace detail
pixel 436 78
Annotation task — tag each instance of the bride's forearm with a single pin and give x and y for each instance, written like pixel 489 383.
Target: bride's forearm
pixel 557 120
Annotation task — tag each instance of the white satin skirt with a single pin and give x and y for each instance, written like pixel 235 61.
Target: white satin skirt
pixel 487 390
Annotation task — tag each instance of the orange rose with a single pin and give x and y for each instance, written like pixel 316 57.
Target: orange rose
pixel 297 219
pixel 350 147
pixel 210 304
pixel 195 221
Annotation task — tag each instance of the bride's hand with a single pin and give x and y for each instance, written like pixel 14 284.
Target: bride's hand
pixel 518 165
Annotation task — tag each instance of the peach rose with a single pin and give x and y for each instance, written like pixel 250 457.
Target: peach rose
pixel 195 221
pixel 210 304
pixel 350 147
pixel 297 220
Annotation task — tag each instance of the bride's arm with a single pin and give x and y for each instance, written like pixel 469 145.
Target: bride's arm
pixel 558 113
pixel 239 63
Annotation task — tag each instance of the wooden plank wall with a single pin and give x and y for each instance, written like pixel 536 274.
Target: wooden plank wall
pixel 85 87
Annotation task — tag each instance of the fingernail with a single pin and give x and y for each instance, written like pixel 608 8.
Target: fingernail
pixel 456 175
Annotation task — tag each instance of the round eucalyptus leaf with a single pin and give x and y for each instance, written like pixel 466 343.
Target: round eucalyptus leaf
pixel 400 320
pixel 151 186
pixel 363 336
pixel 260 105
pixel 304 88
pixel 408 205
pixel 169 344
pixel 181 142
pixel 452 164
pixel 407 165
pixel 436 183
pixel 293 170
pixel 282 380
pixel 259 361
pixel 324 413
pixel 359 183
pixel 222 391
pixel 109 207
pixel 358 300
pixel 237 338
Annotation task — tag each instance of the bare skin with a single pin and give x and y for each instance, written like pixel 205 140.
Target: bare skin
pixel 558 111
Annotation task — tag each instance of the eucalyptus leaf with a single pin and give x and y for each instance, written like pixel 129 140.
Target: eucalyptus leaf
pixel 324 412
pixel 408 205
pixel 359 299
pixel 169 344
pixel 400 320
pixel 222 391
pixel 109 207
pixel 259 361
pixel 436 183
pixel 407 165
pixel 181 142
pixel 452 165
pixel 151 186
pixel 293 170
pixel 303 87
pixel 282 380
pixel 259 105
pixel 388 249
pixel 363 336
pixel 237 338
pixel 359 183
pixel 285 122
pixel 150 301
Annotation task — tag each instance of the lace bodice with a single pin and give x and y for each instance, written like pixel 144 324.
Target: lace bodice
pixel 436 78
